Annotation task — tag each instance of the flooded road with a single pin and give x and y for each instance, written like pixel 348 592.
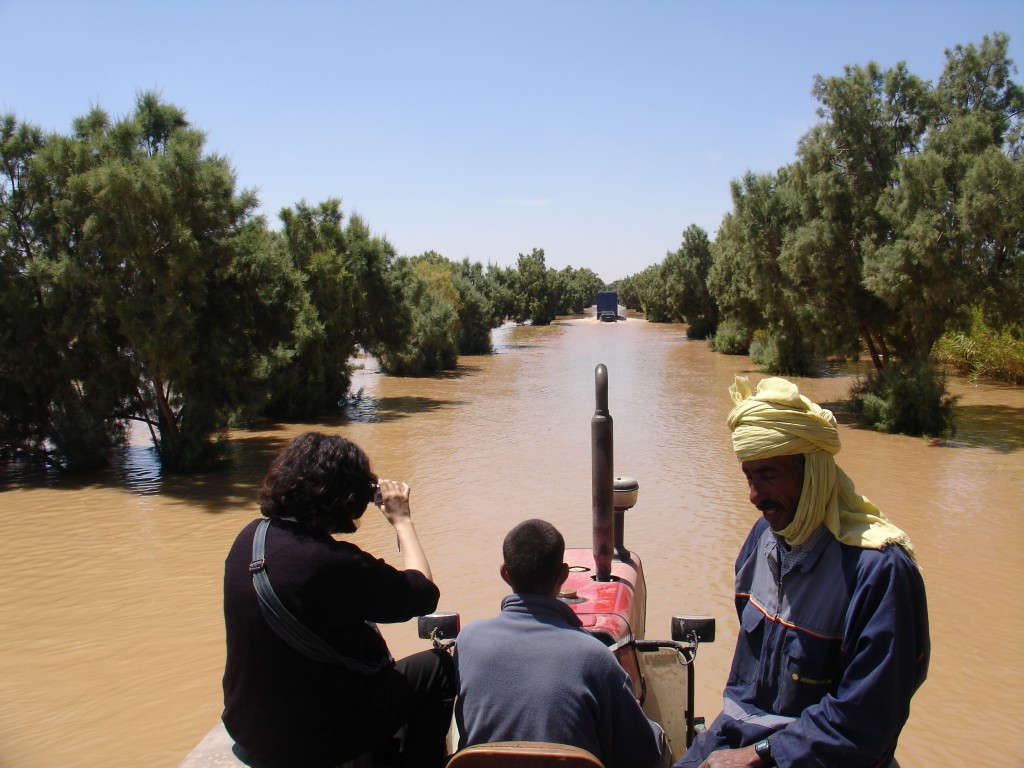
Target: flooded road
pixel 111 635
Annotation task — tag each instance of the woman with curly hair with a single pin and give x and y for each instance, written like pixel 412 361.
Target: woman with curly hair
pixel 318 687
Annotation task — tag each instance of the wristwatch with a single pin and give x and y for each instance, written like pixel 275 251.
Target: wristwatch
pixel 763 749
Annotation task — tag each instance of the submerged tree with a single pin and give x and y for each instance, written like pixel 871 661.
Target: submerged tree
pixel 536 290
pixel 352 302
pixel 160 298
pixel 450 314
pixel 430 295
pixel 577 289
pixel 956 209
pixel 477 313
pixel 748 278
pixel 901 215
pixel 872 119
pixel 63 388
pixel 647 292
pixel 686 273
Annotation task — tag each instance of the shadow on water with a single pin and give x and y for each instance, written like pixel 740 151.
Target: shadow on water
pixel 513 345
pixel 365 409
pixel 136 469
pixel 452 375
pixel 843 411
pixel 996 427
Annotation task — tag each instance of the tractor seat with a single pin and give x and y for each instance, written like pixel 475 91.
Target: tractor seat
pixel 523 754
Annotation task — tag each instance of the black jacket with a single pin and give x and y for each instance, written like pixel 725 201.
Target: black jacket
pixel 280 705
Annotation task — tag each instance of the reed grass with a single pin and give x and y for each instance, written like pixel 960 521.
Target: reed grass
pixel 983 353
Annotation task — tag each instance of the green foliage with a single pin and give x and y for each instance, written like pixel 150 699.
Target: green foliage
pixel 433 341
pixel 955 207
pixel 904 209
pixel 382 317
pixel 685 273
pixel 629 294
pixel 342 271
pixel 148 288
pixel 780 355
pixel 700 329
pixel 577 289
pixel 648 293
pixel 982 352
pixel 871 120
pixel 976 81
pixel 450 313
pixel 731 338
pixel 536 293
pixel 162 228
pixel 901 221
pixel 908 399
pixel 63 388
pixel 749 277
pixel 137 283
pixel 536 290
pixel 499 286
pixel 477 314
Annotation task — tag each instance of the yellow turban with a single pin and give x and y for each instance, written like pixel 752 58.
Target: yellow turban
pixel 776 420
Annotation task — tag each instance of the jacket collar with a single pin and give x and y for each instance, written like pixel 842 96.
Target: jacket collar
pixel 540 606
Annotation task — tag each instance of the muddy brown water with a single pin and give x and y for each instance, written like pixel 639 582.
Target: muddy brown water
pixel 111 637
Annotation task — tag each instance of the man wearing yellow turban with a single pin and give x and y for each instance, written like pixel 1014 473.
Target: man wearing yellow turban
pixel 833 639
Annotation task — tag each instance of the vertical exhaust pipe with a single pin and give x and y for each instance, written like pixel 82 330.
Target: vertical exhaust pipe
pixel 603 477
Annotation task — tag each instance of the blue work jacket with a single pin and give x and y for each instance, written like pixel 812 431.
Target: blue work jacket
pixel 828 656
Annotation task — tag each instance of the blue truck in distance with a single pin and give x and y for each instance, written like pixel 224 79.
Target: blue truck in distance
pixel 607 306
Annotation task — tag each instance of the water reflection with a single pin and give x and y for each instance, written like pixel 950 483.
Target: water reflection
pixel 997 427
pixel 136 467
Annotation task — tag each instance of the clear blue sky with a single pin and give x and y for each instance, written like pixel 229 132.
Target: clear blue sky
pixel 595 130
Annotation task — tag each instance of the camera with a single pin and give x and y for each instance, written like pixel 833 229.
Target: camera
pixel 378 499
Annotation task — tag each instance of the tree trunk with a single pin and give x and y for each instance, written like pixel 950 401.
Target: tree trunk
pixel 870 344
pixel 170 435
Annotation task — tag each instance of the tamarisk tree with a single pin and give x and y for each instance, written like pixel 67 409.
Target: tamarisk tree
pixel 145 286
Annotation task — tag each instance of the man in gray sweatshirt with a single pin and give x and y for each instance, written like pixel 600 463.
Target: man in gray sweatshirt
pixel 532 674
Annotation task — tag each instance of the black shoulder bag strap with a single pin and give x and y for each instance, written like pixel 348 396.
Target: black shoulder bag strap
pixel 289 628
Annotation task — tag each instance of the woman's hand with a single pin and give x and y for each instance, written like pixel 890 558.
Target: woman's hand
pixel 394 500
pixel 395 506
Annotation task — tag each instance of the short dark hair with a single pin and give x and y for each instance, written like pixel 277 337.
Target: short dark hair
pixel 534 552
pixel 323 481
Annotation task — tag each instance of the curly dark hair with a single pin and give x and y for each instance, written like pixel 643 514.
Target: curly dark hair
pixel 323 481
pixel 533 552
